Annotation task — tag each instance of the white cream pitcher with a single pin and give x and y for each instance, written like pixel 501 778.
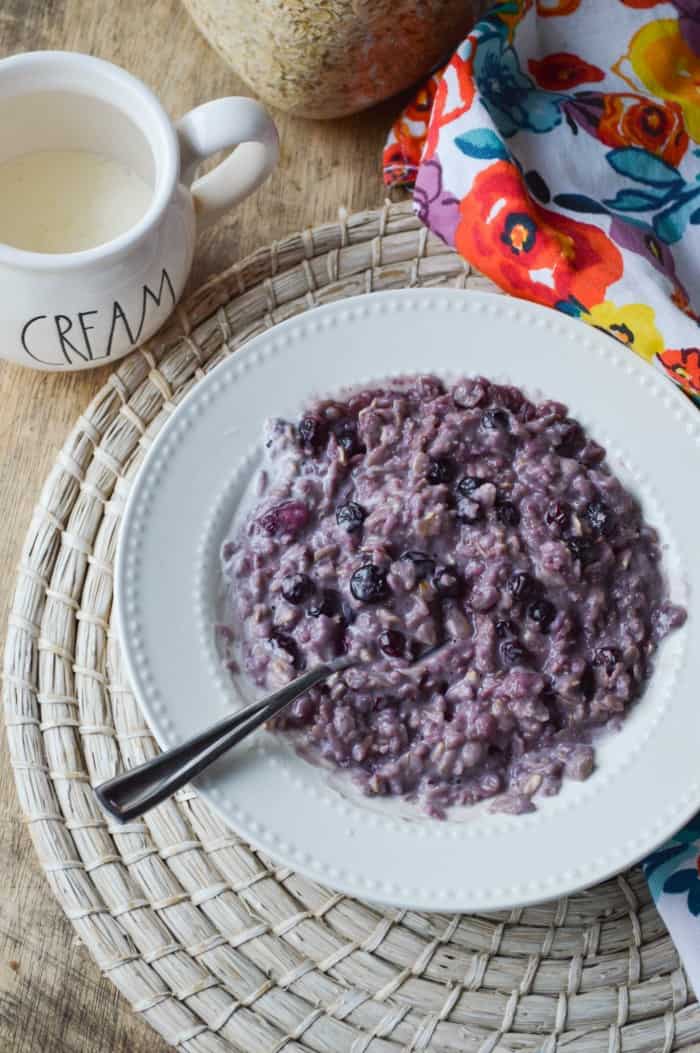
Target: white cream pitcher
pixel 101 208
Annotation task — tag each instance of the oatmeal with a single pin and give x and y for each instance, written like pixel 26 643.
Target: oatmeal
pixel 408 516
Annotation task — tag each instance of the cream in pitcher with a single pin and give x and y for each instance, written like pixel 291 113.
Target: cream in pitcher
pixel 99 206
pixel 68 200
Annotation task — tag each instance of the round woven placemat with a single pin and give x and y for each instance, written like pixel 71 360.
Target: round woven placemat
pixel 219 949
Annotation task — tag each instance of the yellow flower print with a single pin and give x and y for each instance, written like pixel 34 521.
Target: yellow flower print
pixel 668 68
pixel 631 324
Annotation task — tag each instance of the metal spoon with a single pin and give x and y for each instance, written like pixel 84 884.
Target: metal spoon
pixel 129 795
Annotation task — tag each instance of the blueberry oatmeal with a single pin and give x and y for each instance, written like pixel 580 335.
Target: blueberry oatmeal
pixel 410 515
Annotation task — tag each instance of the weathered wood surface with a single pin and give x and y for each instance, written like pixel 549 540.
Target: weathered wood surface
pixel 52 998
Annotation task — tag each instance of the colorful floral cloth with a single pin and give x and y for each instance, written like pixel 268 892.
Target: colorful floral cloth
pixel 559 152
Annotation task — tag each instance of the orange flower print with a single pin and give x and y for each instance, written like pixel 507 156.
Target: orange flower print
pixel 404 147
pixel 562 71
pixel 529 251
pixel 456 81
pixel 668 68
pixel 551 8
pixel 632 120
pixel 683 366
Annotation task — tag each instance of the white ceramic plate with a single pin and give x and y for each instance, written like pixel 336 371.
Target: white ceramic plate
pixel 647 782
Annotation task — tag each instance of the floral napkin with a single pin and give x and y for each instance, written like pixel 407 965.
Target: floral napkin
pixel 558 151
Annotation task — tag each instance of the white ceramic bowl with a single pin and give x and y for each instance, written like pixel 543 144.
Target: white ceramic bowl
pixel 646 783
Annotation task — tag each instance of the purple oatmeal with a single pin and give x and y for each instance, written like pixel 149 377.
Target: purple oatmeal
pixel 411 515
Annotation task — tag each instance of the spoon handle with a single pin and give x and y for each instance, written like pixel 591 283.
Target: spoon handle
pixel 129 795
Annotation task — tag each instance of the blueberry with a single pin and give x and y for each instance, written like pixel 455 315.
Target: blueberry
pixel 470 483
pixel 582 549
pixel 422 562
pixel 297 588
pixel 543 612
pixel 349 443
pixel 522 586
pixel 368 584
pixel 599 517
pixel 505 627
pixel 507 513
pixel 446 581
pixel 313 431
pixel 513 653
pixel 440 470
pixel 345 431
pixel 608 657
pixel 557 514
pixel 350 516
pixel 392 643
pixel 288 518
pixel 495 418
pixel 587 683
pixel 285 642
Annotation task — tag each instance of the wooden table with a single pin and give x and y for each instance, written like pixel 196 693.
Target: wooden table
pixel 52 997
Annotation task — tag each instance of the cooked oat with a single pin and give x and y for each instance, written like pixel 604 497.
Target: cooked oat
pixel 407 515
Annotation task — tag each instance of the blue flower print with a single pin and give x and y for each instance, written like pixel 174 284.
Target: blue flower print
pixel 686 881
pixel 512 99
pixel 663 870
pixel 661 186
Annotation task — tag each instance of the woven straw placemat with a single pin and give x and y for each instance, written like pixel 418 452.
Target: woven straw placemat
pixel 219 949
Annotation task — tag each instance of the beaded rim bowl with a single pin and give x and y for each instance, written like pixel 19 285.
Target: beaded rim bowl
pixel 177 518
